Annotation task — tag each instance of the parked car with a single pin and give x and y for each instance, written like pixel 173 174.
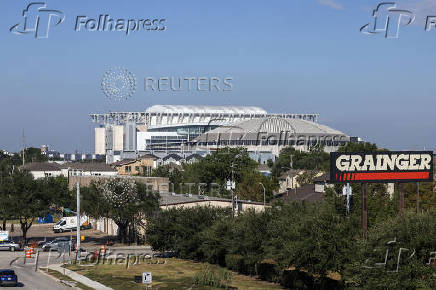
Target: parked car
pixel 8 245
pixel 169 254
pixel 67 224
pixel 56 244
pixel 8 278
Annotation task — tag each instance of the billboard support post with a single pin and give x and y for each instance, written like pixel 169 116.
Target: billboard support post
pixel 417 197
pixel 364 210
pixel 400 198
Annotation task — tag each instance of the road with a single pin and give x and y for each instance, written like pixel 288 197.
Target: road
pixel 27 277
pixel 30 279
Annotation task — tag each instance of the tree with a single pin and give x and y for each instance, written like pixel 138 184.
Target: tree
pixel 289 157
pixel 250 187
pixel 127 203
pixel 379 262
pixel 28 199
pixel 359 147
pixel 5 188
pixel 180 229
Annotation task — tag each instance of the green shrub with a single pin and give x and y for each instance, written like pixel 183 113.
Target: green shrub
pixel 268 270
pixel 209 277
pixel 379 264
pixel 235 262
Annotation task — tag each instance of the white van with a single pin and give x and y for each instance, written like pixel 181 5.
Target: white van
pixel 67 224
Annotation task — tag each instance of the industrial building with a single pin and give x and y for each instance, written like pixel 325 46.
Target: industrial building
pixel 185 130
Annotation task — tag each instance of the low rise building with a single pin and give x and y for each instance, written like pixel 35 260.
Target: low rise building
pixel 159 184
pixel 42 169
pixel 53 169
pixel 144 165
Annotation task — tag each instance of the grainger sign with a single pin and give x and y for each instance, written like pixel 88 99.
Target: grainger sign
pixel 392 166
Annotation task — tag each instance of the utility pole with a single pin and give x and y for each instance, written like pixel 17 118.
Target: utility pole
pixel 78 222
pixel 364 210
pixel 417 198
pixel 24 145
pixel 400 198
pixel 233 180
pixel 264 195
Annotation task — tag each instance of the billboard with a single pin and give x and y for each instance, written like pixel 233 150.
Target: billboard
pixel 389 166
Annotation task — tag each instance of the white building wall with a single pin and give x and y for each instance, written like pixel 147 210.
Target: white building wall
pixel 99 141
pixel 144 138
pixel 118 136
pixel 43 174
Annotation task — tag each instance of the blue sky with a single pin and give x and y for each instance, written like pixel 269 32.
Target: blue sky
pixel 287 56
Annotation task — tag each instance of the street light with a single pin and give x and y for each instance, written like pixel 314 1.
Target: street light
pixel 264 199
pixel 233 182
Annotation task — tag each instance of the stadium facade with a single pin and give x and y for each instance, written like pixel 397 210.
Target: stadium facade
pixel 182 128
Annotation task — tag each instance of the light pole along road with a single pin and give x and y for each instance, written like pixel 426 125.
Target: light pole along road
pixel 264 195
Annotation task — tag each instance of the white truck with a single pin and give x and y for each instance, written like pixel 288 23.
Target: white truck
pixel 67 224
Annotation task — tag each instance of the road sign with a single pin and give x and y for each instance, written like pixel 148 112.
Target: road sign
pixel 146 278
pixel 4 235
pixel 230 185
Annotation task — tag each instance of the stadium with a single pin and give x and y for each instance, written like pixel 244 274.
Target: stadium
pixel 184 128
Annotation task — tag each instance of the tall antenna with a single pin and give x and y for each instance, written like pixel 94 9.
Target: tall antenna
pixel 23 145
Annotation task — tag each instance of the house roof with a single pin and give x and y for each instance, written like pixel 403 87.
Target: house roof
pixel 323 178
pixel 305 193
pixel 194 156
pixel 123 162
pixel 174 156
pixel 290 172
pixel 172 199
pixel 41 166
pixel 263 167
pixel 149 156
pixel 88 166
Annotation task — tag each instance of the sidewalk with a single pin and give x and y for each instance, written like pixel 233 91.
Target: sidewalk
pixel 79 278
pixel 120 248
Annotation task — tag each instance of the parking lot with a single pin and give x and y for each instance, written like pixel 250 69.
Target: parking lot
pixel 39 232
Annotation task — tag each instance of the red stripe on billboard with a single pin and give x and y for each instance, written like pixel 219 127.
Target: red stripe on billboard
pixel 390 175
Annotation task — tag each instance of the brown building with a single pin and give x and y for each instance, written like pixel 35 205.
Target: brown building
pixel 142 166
pixel 160 184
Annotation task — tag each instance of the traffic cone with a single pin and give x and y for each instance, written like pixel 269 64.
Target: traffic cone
pixel 102 250
pixel 28 254
pixel 31 250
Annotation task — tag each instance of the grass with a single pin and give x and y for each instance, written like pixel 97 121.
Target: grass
pixel 174 274
pixel 60 276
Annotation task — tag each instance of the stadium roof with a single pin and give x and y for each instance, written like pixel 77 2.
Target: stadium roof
pixel 187 109
pixel 276 125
